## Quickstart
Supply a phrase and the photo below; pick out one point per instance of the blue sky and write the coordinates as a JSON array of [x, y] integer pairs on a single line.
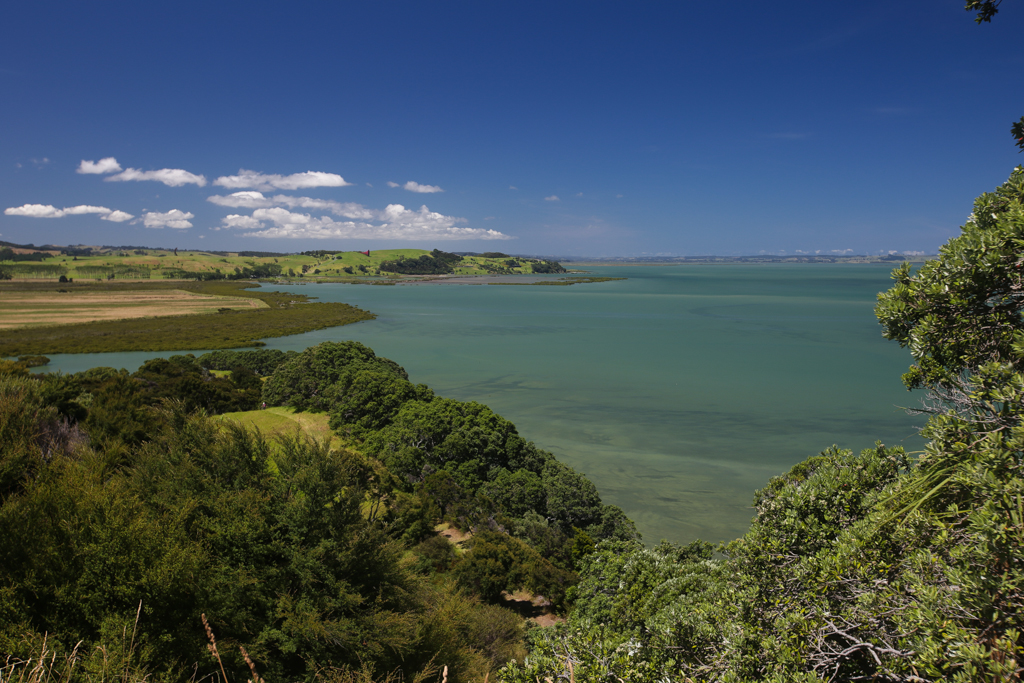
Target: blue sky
[[571, 128]]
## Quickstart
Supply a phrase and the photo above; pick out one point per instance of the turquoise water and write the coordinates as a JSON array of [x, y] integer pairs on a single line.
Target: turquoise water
[[678, 391]]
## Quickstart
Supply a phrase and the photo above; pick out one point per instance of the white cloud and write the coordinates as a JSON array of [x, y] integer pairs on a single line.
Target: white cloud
[[413, 186], [552, 198], [394, 222], [295, 181], [48, 211], [118, 216], [105, 165], [248, 199], [85, 208], [173, 177], [256, 200], [174, 218], [512, 187], [245, 222], [393, 184], [345, 209], [35, 211]]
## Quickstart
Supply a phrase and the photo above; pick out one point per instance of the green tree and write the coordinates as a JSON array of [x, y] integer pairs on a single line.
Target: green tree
[[960, 314], [304, 381], [365, 399]]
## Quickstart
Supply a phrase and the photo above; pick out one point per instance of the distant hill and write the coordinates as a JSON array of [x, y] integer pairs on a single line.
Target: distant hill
[[133, 262]]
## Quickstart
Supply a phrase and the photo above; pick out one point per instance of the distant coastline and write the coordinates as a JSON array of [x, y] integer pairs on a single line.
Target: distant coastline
[[894, 259]]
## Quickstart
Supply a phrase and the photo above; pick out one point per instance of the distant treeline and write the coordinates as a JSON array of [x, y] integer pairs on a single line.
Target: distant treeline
[[8, 254], [252, 254], [436, 262]]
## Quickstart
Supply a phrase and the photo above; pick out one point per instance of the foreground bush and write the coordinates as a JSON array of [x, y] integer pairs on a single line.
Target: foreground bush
[[271, 545]]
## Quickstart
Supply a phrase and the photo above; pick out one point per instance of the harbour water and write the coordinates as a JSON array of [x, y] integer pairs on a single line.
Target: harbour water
[[679, 391]]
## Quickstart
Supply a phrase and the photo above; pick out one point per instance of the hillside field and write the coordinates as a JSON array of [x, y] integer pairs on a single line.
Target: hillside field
[[285, 421], [162, 264]]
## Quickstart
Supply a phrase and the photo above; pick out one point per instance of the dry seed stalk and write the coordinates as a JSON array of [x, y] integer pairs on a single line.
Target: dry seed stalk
[[252, 667], [213, 646]]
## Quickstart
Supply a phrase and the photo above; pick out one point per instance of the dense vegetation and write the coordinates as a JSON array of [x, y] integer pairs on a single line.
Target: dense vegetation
[[548, 267], [128, 513], [436, 262]]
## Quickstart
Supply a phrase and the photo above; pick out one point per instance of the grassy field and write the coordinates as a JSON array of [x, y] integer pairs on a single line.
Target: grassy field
[[256, 314], [162, 264], [275, 422]]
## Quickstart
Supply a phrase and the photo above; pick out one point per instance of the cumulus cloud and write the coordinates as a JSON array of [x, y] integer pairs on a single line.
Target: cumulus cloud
[[256, 200], [174, 218], [173, 177], [295, 181], [118, 216], [85, 208], [248, 199], [35, 211], [413, 186], [105, 165], [245, 222], [394, 222], [552, 198], [48, 211], [393, 184]]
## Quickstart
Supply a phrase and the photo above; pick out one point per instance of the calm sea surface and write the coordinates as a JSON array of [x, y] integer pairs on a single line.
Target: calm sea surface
[[679, 391]]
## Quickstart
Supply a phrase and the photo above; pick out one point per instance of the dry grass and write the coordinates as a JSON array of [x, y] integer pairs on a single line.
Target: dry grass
[[43, 668], [30, 309], [105, 666]]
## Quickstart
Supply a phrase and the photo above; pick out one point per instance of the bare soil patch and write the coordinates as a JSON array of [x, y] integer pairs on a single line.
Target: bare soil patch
[[532, 606], [456, 536]]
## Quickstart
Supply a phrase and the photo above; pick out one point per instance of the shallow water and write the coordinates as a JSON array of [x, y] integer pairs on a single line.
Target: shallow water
[[678, 391]]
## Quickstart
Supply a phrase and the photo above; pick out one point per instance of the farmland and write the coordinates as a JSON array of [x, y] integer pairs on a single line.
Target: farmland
[[34, 308], [90, 299], [240, 316], [96, 263]]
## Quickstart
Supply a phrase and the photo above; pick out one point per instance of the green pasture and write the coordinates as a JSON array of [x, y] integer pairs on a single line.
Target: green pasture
[[163, 264]]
